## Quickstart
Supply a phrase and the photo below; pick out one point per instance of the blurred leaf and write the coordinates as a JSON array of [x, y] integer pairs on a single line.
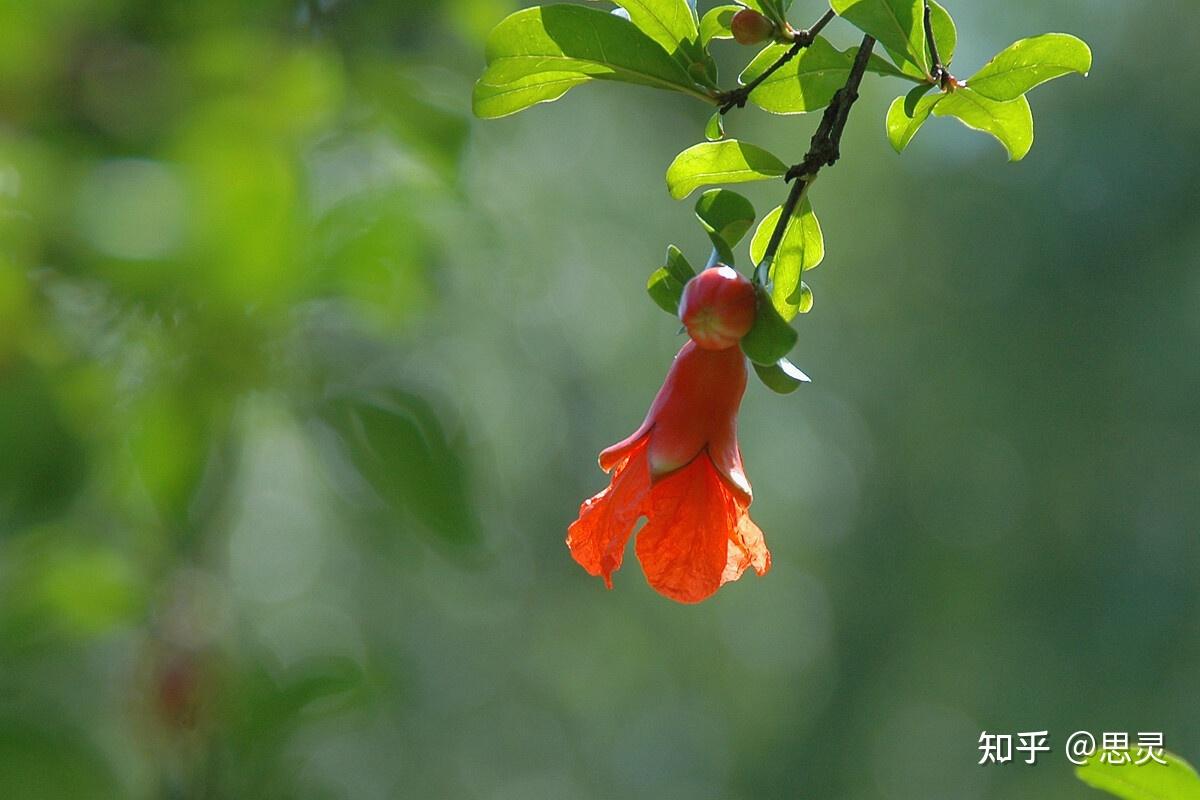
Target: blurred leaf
[[899, 25], [397, 443], [666, 283], [771, 338], [728, 161], [40, 762], [43, 463], [1010, 123], [725, 216], [783, 376], [426, 117], [802, 248], [1150, 781], [373, 252], [903, 126], [89, 591], [714, 129], [1031, 62], [317, 679], [806, 83], [539, 48], [715, 23]]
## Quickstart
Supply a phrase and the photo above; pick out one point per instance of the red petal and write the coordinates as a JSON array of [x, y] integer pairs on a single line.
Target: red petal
[[746, 548], [684, 546], [698, 404], [597, 539]]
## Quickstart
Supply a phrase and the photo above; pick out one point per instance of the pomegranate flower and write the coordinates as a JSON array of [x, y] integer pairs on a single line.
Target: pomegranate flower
[[682, 471]]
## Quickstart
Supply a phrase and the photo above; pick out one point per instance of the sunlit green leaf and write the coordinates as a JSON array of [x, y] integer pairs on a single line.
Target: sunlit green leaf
[[806, 298], [945, 33], [1030, 62], [902, 125], [802, 248], [666, 283], [728, 161], [771, 338], [668, 22], [783, 376], [774, 10], [726, 216], [1149, 781], [1011, 122], [806, 83], [715, 23], [491, 101], [899, 25], [535, 52]]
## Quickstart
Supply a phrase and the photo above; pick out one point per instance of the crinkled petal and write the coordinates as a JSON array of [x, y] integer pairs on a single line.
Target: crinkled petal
[[747, 548], [684, 546], [597, 539]]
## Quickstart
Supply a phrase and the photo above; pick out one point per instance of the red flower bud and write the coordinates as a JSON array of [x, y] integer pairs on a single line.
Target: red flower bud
[[750, 27], [718, 307]]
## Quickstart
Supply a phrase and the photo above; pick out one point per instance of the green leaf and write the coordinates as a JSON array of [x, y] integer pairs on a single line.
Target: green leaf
[[881, 66], [1150, 781], [491, 101], [668, 22], [783, 376], [726, 216], [903, 125], [728, 161], [805, 303], [899, 25], [944, 33], [715, 23], [1030, 62], [806, 83], [665, 286], [1011, 122], [771, 338], [802, 248], [774, 10], [714, 129], [532, 54]]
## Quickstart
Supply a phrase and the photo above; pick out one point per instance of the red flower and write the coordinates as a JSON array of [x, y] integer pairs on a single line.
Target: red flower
[[682, 470]]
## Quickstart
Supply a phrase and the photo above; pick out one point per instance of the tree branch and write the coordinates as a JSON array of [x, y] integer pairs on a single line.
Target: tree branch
[[736, 98], [936, 71], [824, 150]]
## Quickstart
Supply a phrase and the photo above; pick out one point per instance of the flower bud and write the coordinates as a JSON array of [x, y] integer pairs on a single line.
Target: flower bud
[[718, 307], [750, 27]]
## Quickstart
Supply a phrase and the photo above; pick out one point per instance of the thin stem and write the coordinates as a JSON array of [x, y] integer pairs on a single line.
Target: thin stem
[[794, 198], [824, 150], [736, 98], [936, 71]]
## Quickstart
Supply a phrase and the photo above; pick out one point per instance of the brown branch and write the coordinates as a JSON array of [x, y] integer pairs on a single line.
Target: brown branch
[[736, 98], [824, 150], [936, 70]]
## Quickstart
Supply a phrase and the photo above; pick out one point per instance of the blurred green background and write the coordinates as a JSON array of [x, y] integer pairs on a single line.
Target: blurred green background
[[303, 374]]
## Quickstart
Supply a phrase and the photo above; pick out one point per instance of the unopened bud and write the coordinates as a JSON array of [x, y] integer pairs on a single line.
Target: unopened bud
[[718, 307], [750, 27]]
